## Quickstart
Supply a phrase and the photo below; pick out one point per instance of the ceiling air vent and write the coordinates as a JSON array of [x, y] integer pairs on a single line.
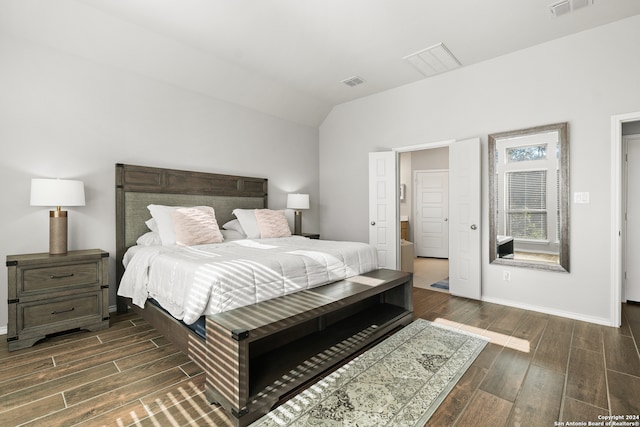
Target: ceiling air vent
[[578, 4], [560, 8], [433, 60], [565, 6], [353, 81]]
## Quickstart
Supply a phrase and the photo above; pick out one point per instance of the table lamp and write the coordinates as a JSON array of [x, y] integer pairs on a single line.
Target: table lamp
[[57, 192], [297, 202]]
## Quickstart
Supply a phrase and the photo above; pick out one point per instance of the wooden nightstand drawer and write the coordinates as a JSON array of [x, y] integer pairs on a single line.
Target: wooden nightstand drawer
[[69, 310], [55, 293], [52, 278]]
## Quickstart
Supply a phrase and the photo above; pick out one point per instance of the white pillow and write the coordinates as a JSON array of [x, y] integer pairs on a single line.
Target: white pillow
[[150, 238], [247, 218], [272, 223], [230, 235], [152, 224], [195, 226], [234, 225], [162, 215]]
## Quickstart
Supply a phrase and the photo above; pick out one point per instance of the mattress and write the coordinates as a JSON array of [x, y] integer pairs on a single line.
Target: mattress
[[193, 281]]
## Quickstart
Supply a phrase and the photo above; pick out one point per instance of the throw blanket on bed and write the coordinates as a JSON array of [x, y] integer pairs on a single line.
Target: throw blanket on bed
[[193, 281]]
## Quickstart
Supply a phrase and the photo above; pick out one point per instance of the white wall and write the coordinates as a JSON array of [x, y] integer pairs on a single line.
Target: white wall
[[62, 115], [592, 77]]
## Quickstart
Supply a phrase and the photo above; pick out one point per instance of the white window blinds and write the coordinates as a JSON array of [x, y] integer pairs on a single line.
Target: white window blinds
[[526, 204]]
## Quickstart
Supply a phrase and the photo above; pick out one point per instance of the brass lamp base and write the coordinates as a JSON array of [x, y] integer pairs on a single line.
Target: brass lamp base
[[57, 232], [297, 223]]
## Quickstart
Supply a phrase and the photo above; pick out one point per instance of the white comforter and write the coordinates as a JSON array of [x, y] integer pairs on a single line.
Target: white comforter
[[193, 281]]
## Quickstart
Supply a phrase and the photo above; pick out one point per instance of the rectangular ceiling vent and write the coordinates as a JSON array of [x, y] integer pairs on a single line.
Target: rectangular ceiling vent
[[560, 8], [433, 60], [579, 4], [353, 81], [566, 6]]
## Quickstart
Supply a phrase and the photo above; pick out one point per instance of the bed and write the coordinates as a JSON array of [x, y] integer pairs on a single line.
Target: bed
[[258, 351]]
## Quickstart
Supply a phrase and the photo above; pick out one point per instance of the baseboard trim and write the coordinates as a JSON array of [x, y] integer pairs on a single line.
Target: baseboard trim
[[568, 314], [546, 310]]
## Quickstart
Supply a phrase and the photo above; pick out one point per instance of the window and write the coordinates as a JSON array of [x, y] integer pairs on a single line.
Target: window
[[528, 153], [526, 202]]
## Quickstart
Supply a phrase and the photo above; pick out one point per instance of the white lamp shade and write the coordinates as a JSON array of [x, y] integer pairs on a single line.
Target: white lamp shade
[[298, 201], [56, 192]]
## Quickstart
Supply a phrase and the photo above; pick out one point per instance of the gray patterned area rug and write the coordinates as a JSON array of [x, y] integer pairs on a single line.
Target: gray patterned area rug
[[399, 382]]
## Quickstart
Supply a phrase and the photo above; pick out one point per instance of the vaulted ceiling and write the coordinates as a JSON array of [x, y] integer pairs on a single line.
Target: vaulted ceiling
[[310, 46]]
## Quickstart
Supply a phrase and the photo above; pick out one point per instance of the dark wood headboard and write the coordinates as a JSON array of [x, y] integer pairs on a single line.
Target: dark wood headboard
[[139, 186]]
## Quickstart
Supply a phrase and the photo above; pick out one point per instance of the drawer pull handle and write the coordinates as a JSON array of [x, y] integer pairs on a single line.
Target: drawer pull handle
[[63, 311], [61, 276]]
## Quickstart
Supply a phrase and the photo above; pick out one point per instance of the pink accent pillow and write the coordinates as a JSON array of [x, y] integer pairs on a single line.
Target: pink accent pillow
[[272, 223], [195, 226]]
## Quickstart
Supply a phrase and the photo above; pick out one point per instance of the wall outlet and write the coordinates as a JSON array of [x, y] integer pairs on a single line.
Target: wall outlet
[[506, 275]]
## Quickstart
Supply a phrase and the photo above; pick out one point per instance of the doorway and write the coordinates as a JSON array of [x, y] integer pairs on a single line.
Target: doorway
[[465, 261], [431, 273], [424, 174], [620, 124], [631, 212]]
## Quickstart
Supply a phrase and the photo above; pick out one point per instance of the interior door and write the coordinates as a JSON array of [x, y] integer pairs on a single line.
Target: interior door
[[432, 214], [632, 223], [464, 218], [383, 207]]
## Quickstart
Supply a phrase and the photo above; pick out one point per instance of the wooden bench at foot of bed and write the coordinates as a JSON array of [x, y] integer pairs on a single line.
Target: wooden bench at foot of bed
[[257, 354]]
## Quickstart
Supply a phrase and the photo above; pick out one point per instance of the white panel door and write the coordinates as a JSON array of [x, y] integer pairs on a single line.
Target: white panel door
[[464, 218], [632, 237], [431, 237], [383, 214]]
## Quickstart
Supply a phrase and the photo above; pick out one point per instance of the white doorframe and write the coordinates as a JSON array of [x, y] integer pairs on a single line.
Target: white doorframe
[[408, 149], [630, 141], [463, 281], [616, 213], [425, 146], [417, 147]]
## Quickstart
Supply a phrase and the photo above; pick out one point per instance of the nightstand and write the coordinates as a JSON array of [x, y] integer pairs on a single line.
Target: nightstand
[[311, 235], [56, 293]]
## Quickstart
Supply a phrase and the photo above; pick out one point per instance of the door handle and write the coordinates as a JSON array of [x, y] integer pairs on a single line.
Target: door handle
[[446, 219], [474, 227], [373, 223]]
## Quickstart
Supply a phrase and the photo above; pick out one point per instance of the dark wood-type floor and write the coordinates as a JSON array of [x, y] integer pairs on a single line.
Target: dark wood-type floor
[[538, 369]]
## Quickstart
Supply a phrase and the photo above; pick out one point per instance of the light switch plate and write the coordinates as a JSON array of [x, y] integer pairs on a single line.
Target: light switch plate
[[581, 197]]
